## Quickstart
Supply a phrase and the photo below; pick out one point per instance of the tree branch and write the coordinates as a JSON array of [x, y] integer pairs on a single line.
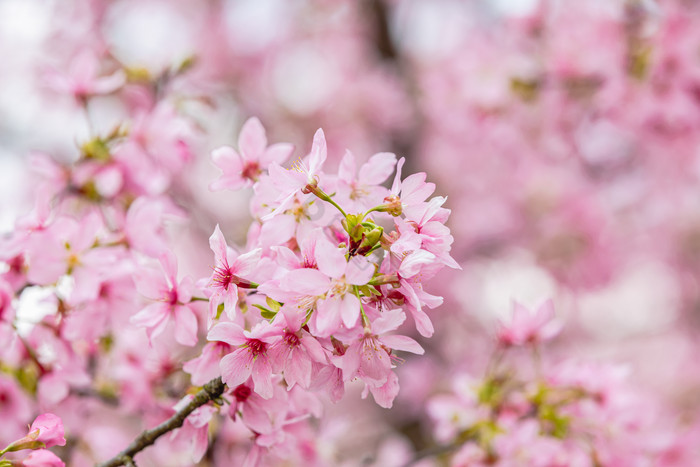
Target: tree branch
[[212, 390], [433, 452], [383, 42]]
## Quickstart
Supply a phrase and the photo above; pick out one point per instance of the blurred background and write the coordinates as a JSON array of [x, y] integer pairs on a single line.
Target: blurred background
[[566, 135]]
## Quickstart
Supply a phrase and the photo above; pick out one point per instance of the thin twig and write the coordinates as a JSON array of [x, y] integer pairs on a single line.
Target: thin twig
[[433, 452], [212, 390], [108, 399]]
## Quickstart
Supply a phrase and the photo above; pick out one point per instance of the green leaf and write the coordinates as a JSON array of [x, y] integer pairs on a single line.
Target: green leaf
[[219, 310], [265, 312], [273, 304]]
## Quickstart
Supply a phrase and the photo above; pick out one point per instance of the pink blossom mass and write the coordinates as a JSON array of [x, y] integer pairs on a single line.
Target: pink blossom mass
[[389, 233]]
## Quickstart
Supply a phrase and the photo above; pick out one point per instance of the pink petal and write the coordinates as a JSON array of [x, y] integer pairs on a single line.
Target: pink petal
[[412, 264], [396, 186], [169, 262], [277, 231], [283, 205], [230, 301], [252, 140], [42, 458], [423, 323], [200, 443], [328, 316], [347, 169], [293, 318], [285, 257], [185, 326], [256, 418], [151, 315], [375, 364], [385, 394], [227, 159], [110, 83], [298, 370], [217, 243], [330, 259], [388, 321], [231, 165], [150, 283], [83, 68], [359, 271], [230, 333], [185, 289], [403, 343], [244, 264], [350, 362], [319, 152], [377, 169], [286, 181], [349, 310], [305, 282], [236, 367], [262, 377], [414, 189], [50, 429], [277, 153], [313, 348]]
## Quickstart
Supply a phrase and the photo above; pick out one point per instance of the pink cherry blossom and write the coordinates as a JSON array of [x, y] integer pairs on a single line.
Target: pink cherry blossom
[[409, 192], [369, 355], [171, 302], [250, 356], [206, 367], [358, 189], [241, 169], [50, 430], [195, 429], [303, 177], [83, 79], [528, 327], [296, 351], [229, 274]]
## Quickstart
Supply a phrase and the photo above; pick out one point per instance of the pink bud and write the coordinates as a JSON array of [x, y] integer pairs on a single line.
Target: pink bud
[[50, 430]]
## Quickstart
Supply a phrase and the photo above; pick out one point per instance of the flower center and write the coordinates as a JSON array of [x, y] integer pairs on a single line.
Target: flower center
[[338, 287], [309, 263], [222, 277], [257, 347], [251, 170], [171, 298], [291, 339], [242, 393]]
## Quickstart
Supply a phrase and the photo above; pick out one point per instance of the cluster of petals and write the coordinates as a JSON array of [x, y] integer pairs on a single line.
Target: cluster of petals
[[580, 413], [529, 327], [316, 302]]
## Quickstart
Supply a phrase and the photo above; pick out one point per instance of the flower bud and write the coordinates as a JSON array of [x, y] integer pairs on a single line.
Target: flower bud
[[370, 239]]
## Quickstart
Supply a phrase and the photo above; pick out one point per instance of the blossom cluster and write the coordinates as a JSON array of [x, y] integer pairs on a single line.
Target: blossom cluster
[[575, 412], [318, 298], [566, 135], [312, 303]]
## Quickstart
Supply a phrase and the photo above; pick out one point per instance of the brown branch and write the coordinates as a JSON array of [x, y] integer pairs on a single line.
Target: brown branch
[[433, 452], [212, 390], [383, 41], [108, 399]]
